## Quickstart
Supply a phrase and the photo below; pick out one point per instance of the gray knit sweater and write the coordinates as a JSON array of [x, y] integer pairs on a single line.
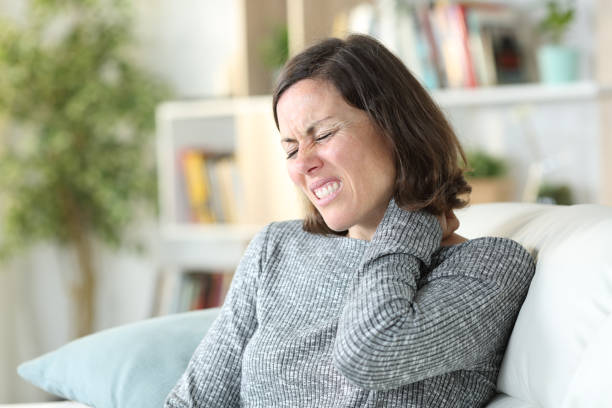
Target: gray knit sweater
[[316, 321]]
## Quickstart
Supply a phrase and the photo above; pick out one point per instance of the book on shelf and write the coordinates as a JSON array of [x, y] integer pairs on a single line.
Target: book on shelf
[[459, 44], [203, 289], [197, 186], [212, 186]]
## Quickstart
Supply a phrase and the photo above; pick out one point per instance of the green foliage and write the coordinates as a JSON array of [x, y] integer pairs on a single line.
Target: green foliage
[[274, 49], [76, 143], [484, 165], [557, 20], [555, 194]]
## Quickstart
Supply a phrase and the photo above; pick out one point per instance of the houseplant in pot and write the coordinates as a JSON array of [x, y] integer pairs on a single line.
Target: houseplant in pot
[[560, 194], [76, 161], [488, 177], [274, 49], [558, 63]]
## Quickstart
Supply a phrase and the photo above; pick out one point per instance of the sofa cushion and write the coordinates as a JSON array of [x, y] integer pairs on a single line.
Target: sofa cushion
[[134, 365], [550, 360], [506, 401], [591, 385]]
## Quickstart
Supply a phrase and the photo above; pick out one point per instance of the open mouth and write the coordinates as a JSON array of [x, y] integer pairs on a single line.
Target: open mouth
[[327, 192], [327, 189]]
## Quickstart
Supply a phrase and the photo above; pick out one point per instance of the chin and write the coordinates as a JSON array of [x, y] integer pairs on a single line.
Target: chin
[[337, 229], [336, 224]]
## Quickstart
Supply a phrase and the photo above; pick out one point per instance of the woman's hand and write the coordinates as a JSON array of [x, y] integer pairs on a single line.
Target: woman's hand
[[450, 224]]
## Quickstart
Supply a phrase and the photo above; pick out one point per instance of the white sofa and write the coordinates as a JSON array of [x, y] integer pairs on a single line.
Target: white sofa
[[560, 351]]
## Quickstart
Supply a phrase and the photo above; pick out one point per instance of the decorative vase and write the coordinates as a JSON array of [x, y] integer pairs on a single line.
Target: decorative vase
[[557, 64]]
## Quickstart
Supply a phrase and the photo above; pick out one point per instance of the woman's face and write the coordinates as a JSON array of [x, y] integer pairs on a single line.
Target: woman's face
[[338, 158]]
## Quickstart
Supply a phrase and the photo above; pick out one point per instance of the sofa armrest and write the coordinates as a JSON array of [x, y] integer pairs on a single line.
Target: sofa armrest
[[506, 401]]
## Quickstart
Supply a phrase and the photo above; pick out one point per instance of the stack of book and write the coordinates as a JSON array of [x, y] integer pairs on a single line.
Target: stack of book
[[202, 290], [453, 44], [465, 44], [211, 186]]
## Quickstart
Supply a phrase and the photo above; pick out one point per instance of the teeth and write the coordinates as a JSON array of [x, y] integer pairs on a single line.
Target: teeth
[[327, 189]]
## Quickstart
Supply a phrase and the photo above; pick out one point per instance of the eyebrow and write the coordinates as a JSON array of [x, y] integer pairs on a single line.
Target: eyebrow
[[309, 130]]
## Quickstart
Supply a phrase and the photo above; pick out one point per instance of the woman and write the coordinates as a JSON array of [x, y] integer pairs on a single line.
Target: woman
[[372, 300]]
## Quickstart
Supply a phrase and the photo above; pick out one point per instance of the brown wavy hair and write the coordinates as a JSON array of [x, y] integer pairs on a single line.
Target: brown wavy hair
[[426, 150]]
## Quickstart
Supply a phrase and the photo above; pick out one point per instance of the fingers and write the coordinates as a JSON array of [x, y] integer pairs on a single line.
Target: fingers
[[449, 223], [452, 222], [454, 239], [442, 221]]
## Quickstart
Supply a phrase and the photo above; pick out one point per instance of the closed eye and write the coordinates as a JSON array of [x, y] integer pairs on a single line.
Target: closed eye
[[325, 136], [292, 153]]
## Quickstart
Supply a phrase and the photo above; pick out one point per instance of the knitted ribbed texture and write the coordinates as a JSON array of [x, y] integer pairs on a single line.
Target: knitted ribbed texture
[[314, 321]]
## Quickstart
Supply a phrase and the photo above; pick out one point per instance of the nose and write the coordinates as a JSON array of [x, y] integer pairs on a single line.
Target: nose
[[307, 161]]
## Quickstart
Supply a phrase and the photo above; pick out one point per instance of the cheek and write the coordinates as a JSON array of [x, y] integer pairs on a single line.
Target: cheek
[[351, 158], [294, 175], [381, 159], [340, 156]]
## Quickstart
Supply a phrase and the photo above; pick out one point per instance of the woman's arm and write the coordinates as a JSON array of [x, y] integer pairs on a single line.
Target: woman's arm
[[212, 378], [390, 334]]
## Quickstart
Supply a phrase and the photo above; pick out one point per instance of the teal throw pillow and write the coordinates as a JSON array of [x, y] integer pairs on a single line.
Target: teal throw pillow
[[135, 365]]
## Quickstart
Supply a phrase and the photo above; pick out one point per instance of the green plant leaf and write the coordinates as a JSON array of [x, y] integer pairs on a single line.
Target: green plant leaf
[[485, 165], [557, 20], [77, 142]]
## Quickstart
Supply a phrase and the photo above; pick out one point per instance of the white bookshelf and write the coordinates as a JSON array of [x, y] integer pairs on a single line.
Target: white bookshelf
[[531, 93], [241, 127], [210, 125], [189, 248], [216, 246]]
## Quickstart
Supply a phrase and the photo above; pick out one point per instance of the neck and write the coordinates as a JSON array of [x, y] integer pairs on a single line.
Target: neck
[[362, 233], [366, 228]]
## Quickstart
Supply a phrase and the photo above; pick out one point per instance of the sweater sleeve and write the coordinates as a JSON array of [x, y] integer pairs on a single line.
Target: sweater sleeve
[[390, 334], [212, 377]]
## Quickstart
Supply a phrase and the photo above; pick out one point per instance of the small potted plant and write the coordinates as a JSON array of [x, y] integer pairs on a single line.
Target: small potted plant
[[560, 194], [558, 63], [488, 177], [274, 49]]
